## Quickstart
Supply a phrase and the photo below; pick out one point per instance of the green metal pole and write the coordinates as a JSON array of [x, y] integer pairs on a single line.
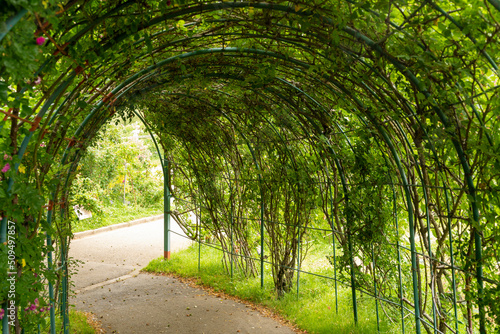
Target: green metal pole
[[232, 223], [51, 287], [199, 238], [3, 238], [51, 292], [353, 278], [401, 291], [375, 287], [10, 23], [64, 268], [64, 306], [5, 320], [298, 262], [166, 205], [335, 273], [453, 282], [261, 235], [431, 258], [411, 227], [333, 240], [479, 275]]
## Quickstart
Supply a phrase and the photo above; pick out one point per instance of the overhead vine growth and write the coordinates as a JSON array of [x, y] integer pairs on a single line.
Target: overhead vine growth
[[376, 121]]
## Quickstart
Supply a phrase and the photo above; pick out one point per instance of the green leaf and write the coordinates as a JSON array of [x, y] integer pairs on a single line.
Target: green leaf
[[4, 91], [82, 104]]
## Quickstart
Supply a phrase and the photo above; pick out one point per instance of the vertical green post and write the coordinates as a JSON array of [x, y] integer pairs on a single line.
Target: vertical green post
[[51, 287], [298, 262], [411, 225], [166, 205], [64, 306], [450, 238], [10, 23], [199, 239], [414, 265], [3, 231], [401, 291], [3, 238], [479, 275], [375, 287], [333, 242], [353, 278], [64, 281], [51, 292], [5, 320], [231, 227], [351, 255], [335, 272], [261, 237]]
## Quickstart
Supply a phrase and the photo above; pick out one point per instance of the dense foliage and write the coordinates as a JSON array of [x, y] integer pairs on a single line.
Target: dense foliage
[[377, 121], [118, 168]]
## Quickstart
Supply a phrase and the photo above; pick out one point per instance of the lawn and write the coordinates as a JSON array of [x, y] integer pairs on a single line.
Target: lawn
[[312, 310]]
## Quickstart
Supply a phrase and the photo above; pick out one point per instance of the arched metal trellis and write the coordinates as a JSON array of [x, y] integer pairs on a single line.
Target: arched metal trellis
[[380, 117]]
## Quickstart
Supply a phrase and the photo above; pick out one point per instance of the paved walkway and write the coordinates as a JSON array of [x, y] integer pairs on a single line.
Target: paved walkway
[[109, 284]]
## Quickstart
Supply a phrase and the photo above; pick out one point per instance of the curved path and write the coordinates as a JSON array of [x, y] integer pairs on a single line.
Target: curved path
[[109, 284]]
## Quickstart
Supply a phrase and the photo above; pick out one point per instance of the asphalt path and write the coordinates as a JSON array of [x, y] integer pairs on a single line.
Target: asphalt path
[[109, 284]]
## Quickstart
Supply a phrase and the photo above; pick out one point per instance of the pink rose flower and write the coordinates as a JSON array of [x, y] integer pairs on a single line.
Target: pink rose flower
[[2, 313], [5, 168], [38, 81], [40, 40]]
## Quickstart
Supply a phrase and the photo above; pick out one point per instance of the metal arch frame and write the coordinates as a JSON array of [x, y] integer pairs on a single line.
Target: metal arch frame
[[341, 171], [345, 187], [294, 163], [467, 171], [225, 115], [225, 50]]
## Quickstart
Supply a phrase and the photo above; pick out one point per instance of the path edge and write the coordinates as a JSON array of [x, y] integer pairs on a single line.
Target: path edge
[[83, 234]]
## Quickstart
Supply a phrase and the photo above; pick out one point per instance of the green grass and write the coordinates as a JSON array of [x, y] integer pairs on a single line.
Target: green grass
[[115, 215], [79, 324], [314, 311]]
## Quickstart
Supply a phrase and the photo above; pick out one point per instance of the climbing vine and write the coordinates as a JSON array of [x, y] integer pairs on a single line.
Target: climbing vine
[[376, 121]]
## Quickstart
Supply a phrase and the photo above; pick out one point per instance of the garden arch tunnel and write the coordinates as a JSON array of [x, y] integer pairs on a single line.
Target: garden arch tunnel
[[278, 120]]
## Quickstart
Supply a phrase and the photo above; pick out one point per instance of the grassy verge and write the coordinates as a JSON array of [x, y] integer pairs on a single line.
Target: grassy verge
[[115, 215], [314, 310], [81, 324]]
